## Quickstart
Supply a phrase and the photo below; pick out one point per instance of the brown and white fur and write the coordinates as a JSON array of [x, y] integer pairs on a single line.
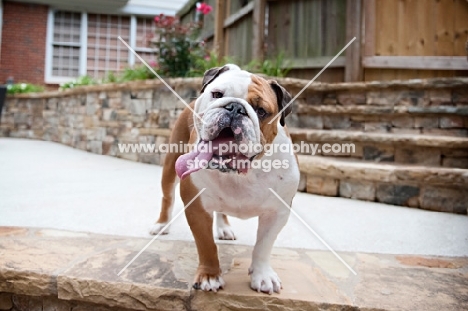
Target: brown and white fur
[[232, 193]]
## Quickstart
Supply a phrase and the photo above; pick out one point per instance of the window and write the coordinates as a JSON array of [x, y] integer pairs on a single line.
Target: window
[[64, 50], [66, 44], [145, 30], [105, 51], [88, 44]]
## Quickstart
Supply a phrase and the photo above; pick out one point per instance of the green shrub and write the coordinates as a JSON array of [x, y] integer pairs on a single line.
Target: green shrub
[[136, 73], [202, 64], [276, 67], [21, 88], [177, 45], [110, 78], [80, 81]]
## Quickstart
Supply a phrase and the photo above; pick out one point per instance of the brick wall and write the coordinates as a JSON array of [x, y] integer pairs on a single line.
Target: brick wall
[[23, 42]]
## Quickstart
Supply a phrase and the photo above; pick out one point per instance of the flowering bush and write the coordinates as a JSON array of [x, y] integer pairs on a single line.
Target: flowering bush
[[178, 49], [204, 8]]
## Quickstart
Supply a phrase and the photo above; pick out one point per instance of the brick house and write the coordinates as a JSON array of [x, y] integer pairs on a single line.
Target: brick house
[[53, 41]]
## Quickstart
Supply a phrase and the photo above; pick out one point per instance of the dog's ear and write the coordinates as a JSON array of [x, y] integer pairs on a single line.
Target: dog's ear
[[212, 74], [283, 98]]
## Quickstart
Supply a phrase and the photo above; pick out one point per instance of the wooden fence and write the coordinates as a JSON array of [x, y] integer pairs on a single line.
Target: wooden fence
[[426, 36], [397, 39]]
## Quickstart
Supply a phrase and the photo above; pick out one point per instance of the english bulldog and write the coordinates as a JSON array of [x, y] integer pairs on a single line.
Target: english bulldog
[[233, 111]]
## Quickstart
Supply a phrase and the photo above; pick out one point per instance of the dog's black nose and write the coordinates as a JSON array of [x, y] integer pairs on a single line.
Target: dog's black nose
[[236, 108]]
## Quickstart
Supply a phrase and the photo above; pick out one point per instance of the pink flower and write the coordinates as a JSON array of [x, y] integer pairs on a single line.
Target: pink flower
[[153, 63], [204, 8]]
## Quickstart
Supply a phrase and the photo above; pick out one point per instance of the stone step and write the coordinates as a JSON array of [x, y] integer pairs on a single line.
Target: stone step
[[45, 269], [371, 171], [432, 188], [404, 123], [435, 107], [428, 150], [381, 110], [300, 134]]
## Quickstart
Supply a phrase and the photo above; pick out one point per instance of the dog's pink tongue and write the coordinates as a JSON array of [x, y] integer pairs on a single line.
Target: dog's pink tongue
[[190, 162]]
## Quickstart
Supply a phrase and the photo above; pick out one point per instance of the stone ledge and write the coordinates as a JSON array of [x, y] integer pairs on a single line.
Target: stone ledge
[[126, 86], [450, 142], [430, 188], [382, 172], [436, 83], [380, 110], [81, 268]]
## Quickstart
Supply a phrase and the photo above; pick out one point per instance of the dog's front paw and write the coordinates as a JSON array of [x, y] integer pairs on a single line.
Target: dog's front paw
[[225, 233], [208, 282], [264, 279], [158, 228]]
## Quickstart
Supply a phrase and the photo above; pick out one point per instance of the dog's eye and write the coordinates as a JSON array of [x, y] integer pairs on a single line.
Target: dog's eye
[[217, 94], [261, 112]]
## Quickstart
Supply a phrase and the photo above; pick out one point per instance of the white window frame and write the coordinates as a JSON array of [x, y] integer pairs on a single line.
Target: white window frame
[[132, 43], [51, 79]]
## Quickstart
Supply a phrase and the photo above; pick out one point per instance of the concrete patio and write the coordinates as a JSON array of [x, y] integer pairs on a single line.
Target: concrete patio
[[63, 210], [48, 185]]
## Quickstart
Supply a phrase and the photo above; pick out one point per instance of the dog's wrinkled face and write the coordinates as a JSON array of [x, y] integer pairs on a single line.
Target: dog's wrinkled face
[[236, 108]]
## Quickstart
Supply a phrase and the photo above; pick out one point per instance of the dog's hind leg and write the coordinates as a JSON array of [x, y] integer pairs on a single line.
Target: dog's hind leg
[[223, 228], [180, 136], [168, 185]]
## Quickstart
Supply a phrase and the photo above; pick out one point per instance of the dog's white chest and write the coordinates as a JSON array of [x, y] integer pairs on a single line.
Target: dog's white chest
[[234, 195], [249, 195]]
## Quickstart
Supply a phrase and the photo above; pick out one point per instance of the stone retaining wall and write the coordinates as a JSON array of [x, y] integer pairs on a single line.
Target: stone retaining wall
[[97, 118]]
